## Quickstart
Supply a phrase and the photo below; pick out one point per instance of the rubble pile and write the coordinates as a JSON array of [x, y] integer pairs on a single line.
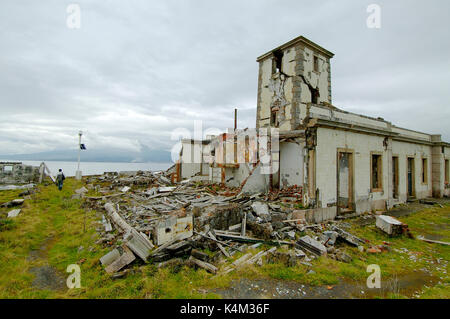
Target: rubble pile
[[146, 216]]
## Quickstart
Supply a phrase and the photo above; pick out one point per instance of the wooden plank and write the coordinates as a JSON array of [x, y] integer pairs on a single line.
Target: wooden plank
[[202, 264], [432, 241], [244, 225], [219, 245]]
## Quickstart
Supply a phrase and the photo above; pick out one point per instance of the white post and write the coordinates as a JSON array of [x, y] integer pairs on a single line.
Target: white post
[[78, 173]]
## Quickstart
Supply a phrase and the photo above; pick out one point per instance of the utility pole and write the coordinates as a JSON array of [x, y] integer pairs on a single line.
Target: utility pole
[[78, 173]]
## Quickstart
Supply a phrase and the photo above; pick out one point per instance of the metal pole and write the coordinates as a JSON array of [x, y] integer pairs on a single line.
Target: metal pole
[[78, 174], [79, 150]]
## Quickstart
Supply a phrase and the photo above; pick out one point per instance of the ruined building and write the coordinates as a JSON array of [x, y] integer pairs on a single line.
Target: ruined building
[[344, 163]]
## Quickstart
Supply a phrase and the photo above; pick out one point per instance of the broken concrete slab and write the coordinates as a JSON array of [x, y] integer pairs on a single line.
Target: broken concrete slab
[[390, 225], [173, 228], [139, 244], [347, 237], [14, 213], [312, 245], [117, 259], [261, 210], [330, 237]]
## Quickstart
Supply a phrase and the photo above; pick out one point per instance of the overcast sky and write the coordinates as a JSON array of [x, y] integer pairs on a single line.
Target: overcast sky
[[136, 70]]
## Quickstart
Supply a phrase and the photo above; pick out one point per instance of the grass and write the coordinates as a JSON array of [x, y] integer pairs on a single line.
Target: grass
[[54, 226]]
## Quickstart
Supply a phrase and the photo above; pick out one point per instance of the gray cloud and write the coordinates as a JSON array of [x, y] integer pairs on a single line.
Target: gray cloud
[[137, 70]]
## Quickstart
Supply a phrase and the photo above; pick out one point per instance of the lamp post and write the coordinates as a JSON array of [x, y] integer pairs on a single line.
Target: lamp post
[[78, 174]]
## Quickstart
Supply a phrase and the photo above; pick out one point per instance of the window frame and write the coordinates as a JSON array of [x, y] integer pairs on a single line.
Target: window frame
[[316, 63], [380, 185], [447, 171], [425, 169]]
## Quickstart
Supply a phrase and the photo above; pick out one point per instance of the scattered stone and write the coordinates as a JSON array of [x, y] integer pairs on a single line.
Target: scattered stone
[[14, 213]]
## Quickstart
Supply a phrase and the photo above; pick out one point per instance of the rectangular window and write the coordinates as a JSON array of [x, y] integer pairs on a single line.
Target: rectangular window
[[377, 174], [316, 63], [424, 171], [277, 62], [447, 172]]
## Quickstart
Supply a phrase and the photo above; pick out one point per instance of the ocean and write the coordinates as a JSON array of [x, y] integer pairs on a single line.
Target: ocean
[[96, 168]]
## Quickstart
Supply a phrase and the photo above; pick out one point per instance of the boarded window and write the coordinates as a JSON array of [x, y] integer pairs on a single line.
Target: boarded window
[[424, 171], [447, 172], [8, 169], [377, 174]]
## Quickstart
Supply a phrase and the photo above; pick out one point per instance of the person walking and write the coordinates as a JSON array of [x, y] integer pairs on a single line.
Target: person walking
[[60, 179]]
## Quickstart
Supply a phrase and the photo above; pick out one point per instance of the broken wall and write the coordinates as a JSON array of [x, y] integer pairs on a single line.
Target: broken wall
[[192, 159], [287, 91], [18, 173]]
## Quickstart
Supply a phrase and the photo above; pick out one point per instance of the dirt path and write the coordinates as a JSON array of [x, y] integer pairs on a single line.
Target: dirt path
[[46, 276]]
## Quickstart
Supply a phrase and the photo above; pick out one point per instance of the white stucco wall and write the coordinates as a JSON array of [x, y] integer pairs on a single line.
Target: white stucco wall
[[328, 143], [446, 157], [291, 164]]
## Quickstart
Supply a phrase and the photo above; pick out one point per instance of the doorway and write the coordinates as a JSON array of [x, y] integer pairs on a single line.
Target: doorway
[[411, 178], [395, 177], [345, 183]]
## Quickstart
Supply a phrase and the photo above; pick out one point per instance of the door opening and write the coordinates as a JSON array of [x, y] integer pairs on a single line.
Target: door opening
[[345, 183], [395, 177], [411, 178]]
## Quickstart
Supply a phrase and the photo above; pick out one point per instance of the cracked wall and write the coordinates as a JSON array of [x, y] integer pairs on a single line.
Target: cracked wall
[[283, 95]]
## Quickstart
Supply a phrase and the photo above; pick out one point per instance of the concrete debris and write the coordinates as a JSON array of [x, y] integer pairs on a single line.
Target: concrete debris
[[312, 245], [125, 189], [261, 210], [13, 203], [330, 237], [173, 228], [173, 224], [106, 224], [289, 259], [117, 259], [390, 225], [347, 237], [139, 244], [81, 191], [14, 213]]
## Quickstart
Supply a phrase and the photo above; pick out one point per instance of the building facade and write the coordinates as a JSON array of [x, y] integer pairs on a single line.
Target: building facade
[[346, 163]]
